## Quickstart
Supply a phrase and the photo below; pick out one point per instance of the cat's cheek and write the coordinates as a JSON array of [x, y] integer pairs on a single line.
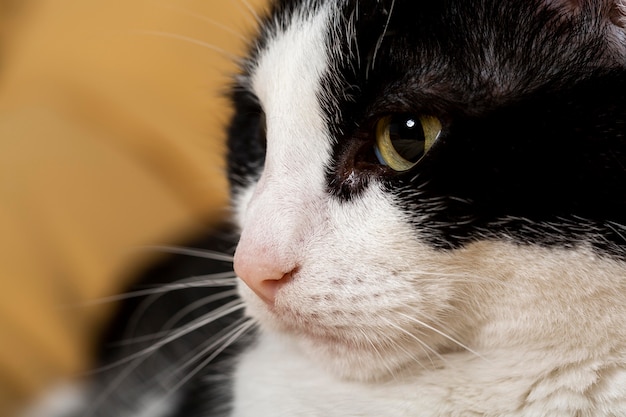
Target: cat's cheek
[[366, 288]]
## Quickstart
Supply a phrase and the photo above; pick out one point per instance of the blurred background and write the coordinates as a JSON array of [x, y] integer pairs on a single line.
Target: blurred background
[[111, 138]]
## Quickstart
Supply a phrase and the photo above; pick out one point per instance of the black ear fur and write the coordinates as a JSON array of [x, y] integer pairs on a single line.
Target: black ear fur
[[618, 13], [564, 6], [610, 14], [613, 10]]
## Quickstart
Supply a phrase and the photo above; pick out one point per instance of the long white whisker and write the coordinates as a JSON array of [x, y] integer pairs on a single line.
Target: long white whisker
[[145, 304], [423, 344], [139, 357], [159, 33], [197, 304], [192, 356], [377, 351], [382, 36], [213, 22], [615, 226], [194, 252], [225, 310], [226, 341], [167, 328], [203, 282], [460, 276], [450, 338], [438, 320], [252, 12]]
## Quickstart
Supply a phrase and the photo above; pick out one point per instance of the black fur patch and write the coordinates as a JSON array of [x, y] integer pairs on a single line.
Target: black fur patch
[[246, 140], [532, 104]]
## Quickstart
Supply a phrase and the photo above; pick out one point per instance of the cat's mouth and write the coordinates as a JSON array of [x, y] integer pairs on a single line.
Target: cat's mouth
[[353, 343], [315, 326]]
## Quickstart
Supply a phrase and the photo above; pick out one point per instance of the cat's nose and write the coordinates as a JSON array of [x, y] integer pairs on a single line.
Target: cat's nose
[[262, 270]]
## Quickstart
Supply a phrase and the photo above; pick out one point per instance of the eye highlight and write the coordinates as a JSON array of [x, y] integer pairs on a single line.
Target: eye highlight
[[402, 140]]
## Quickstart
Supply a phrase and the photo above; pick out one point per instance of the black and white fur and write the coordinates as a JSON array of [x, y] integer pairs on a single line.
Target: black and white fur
[[489, 280]]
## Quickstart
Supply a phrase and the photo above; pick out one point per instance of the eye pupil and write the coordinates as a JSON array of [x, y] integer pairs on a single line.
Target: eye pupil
[[407, 137], [403, 139]]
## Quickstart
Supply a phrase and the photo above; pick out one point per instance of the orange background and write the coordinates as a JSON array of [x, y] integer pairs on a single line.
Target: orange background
[[111, 138]]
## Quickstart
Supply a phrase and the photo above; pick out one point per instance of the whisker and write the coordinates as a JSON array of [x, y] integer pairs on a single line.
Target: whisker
[[213, 22], [439, 332], [252, 12], [619, 229], [139, 357], [145, 304], [425, 347], [423, 276], [197, 304], [226, 340], [202, 283], [416, 358], [194, 252], [167, 327], [174, 369], [435, 319], [382, 36], [380, 355], [214, 48], [223, 311]]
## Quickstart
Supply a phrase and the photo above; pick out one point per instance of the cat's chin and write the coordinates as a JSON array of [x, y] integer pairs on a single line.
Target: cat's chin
[[358, 362], [363, 356], [352, 345]]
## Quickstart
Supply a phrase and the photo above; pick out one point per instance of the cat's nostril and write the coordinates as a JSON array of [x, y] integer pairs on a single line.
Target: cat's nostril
[[268, 288], [262, 273]]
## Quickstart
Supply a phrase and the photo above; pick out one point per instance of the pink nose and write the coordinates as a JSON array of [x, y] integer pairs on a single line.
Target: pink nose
[[262, 271]]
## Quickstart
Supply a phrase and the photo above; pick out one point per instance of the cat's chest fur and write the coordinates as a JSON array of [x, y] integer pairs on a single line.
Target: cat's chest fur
[[515, 383]]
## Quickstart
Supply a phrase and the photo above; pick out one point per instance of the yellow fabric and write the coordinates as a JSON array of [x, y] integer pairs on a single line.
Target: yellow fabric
[[111, 136]]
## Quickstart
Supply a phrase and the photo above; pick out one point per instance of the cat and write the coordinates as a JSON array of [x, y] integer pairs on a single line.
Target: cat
[[429, 219]]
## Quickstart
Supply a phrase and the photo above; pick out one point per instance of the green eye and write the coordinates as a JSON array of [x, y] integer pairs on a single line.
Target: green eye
[[403, 139]]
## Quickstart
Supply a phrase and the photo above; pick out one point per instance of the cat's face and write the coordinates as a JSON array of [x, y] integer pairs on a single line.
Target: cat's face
[[414, 178]]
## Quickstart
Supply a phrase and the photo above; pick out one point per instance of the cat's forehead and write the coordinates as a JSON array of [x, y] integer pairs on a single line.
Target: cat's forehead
[[463, 52], [287, 78], [292, 60]]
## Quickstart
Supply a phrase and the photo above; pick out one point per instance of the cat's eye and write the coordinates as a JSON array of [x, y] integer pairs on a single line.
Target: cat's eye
[[403, 139]]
